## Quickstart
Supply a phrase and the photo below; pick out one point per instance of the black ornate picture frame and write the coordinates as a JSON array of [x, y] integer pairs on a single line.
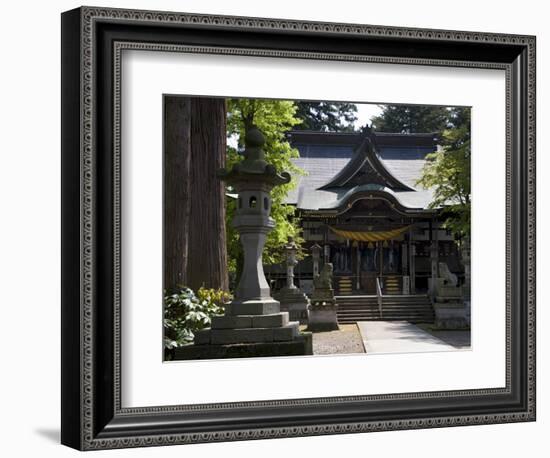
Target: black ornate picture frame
[[92, 41]]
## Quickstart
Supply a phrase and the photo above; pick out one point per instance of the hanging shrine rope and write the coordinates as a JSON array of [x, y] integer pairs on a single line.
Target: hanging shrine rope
[[370, 236]]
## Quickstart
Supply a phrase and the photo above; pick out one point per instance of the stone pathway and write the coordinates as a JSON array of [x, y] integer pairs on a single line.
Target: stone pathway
[[398, 337], [345, 341], [457, 338]]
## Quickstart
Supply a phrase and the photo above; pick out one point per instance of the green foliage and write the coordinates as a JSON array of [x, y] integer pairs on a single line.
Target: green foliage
[[216, 297], [326, 116], [274, 118], [186, 312], [408, 119], [447, 171]]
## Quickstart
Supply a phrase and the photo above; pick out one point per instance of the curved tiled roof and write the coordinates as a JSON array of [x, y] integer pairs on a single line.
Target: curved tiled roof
[[324, 156]]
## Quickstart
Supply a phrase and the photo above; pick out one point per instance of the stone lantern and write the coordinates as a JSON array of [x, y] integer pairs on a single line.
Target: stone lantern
[[253, 324], [291, 249], [292, 299]]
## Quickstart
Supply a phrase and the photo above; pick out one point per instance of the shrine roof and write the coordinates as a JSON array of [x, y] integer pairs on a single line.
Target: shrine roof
[[340, 165]]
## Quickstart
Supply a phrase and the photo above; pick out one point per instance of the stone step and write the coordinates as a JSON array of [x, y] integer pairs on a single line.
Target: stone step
[[403, 316], [384, 313], [384, 304], [411, 319], [395, 307], [385, 301], [387, 314], [404, 297], [389, 309], [250, 321], [247, 335], [412, 308]]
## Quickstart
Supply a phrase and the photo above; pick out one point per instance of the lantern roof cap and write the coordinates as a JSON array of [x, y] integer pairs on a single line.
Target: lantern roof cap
[[254, 167]]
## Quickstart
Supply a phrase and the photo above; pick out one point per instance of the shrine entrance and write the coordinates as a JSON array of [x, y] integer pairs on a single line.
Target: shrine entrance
[[380, 260], [368, 256]]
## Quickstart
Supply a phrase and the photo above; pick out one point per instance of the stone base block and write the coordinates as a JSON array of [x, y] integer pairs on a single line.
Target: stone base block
[[232, 321], [295, 302], [250, 321], [321, 319], [288, 332], [275, 320], [202, 337], [254, 307], [230, 336], [211, 336], [299, 346], [296, 312], [451, 315]]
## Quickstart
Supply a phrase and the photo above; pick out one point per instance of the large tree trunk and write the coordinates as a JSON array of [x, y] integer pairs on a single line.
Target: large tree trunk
[[194, 197], [207, 257], [177, 155]]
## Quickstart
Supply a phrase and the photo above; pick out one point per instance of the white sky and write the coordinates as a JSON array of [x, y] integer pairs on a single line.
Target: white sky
[[365, 112]]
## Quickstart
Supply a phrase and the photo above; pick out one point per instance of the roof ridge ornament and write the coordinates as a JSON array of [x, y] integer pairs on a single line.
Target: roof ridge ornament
[[366, 165]]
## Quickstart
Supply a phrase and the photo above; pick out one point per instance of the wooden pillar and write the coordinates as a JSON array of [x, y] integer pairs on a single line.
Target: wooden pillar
[[404, 258], [406, 289], [412, 264], [358, 255], [380, 258]]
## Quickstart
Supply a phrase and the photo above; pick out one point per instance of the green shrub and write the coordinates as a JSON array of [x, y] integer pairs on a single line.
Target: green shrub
[[217, 297], [186, 312]]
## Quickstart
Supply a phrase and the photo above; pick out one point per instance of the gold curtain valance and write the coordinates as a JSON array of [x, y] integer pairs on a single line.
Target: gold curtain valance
[[370, 236]]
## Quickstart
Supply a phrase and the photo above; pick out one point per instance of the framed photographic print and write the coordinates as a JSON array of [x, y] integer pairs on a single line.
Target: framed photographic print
[[278, 228]]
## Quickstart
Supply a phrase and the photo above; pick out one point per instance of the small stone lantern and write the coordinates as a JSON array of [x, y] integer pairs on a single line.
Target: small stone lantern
[[290, 249], [292, 299]]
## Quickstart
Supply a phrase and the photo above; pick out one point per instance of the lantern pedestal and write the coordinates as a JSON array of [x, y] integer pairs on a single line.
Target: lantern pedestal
[[294, 302], [301, 345]]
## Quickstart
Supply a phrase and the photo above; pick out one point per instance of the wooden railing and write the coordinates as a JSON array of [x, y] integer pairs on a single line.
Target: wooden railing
[[379, 296]]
